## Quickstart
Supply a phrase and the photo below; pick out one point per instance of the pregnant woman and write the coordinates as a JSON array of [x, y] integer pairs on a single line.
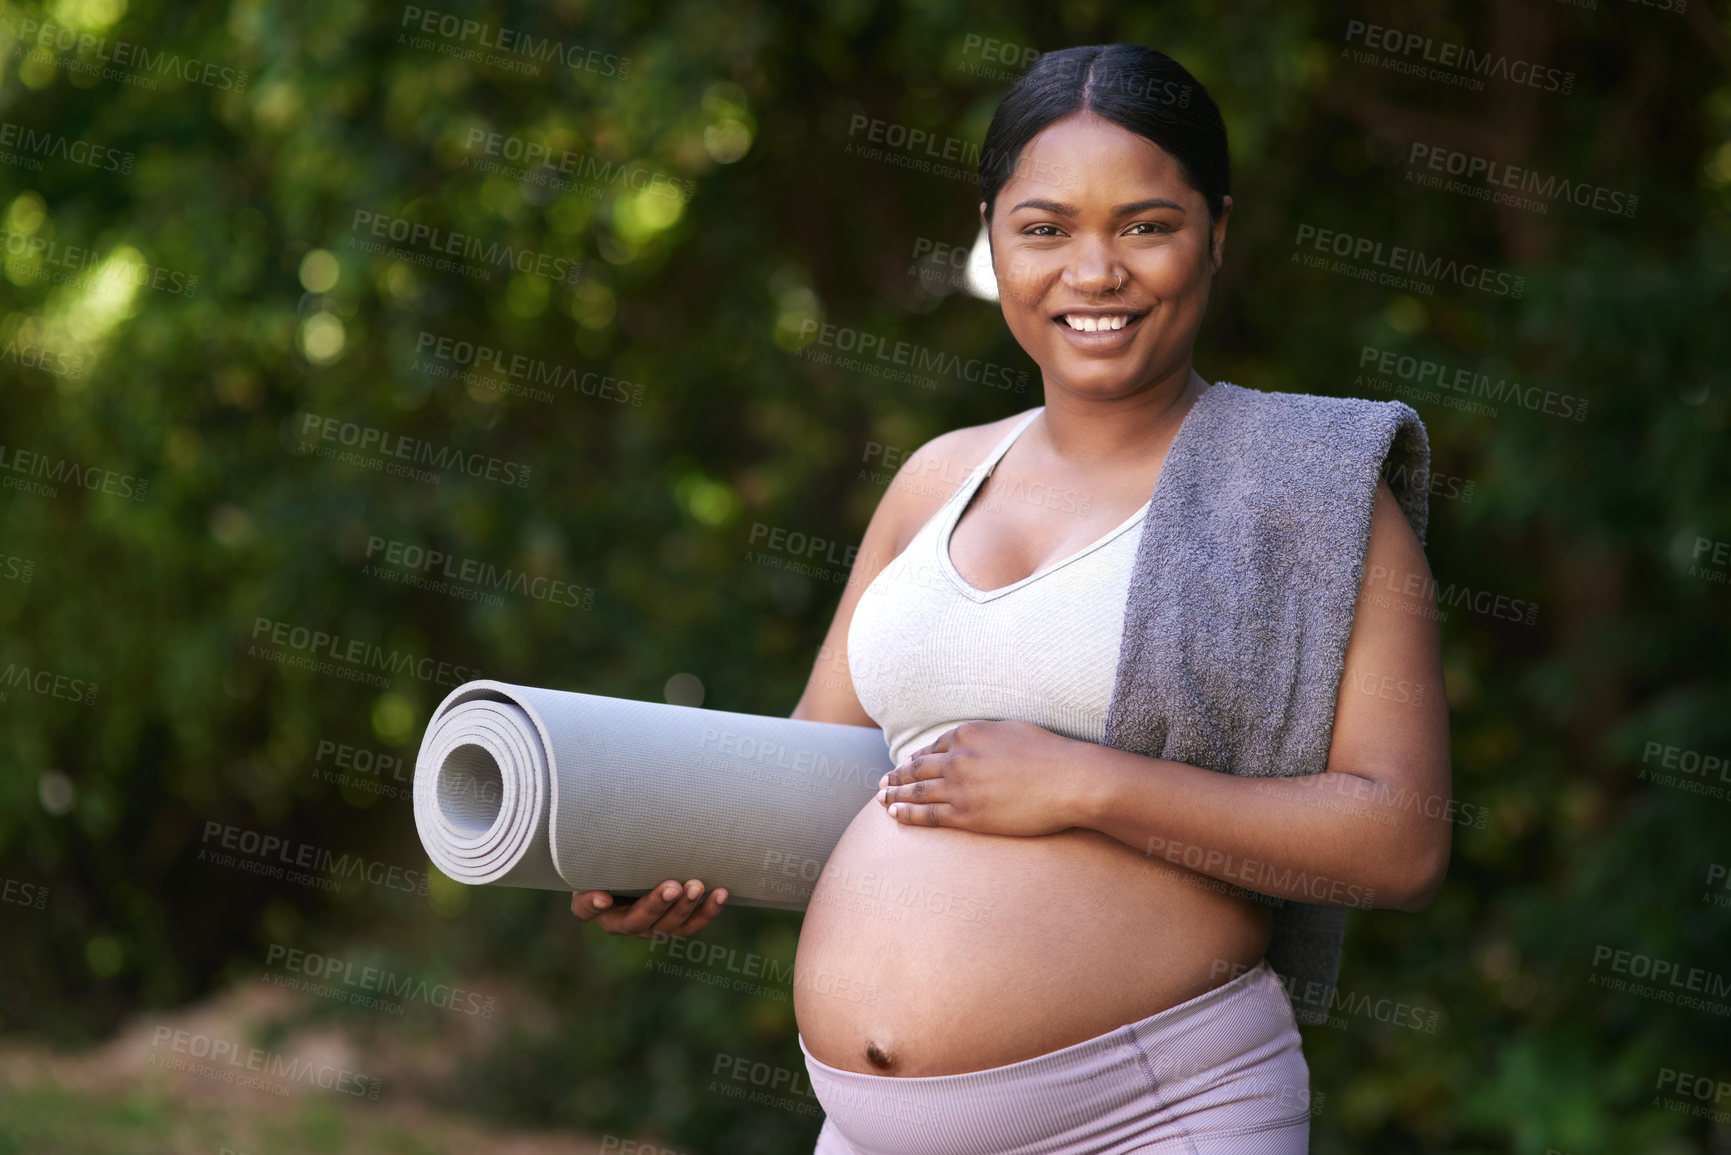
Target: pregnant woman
[[1141, 743]]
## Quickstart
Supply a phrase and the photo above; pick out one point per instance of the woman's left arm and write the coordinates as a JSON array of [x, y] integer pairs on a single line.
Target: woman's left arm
[[1373, 830]]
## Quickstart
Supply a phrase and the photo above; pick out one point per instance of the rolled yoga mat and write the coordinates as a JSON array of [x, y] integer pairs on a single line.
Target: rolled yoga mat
[[523, 786]]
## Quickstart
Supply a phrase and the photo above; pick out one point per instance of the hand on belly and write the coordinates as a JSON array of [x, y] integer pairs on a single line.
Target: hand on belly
[[929, 950]]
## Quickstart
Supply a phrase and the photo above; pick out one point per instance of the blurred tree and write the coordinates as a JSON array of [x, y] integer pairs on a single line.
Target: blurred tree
[[239, 236]]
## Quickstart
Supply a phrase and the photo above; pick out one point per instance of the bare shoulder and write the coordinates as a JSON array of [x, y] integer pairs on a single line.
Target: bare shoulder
[[933, 473], [959, 450]]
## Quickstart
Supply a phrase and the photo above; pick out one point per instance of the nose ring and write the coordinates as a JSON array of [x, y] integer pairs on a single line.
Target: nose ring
[[1120, 283]]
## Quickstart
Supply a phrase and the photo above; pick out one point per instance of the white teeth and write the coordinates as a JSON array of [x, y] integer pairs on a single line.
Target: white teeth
[[1093, 323]]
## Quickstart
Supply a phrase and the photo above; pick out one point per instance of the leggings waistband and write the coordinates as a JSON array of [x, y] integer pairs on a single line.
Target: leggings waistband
[[1227, 1062]]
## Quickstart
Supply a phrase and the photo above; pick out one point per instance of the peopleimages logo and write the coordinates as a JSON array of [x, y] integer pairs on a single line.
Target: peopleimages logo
[[47, 683], [1426, 164], [27, 894], [1702, 1087], [1422, 588], [584, 169], [423, 564], [523, 372], [272, 853], [328, 969], [314, 428], [1397, 259], [980, 54], [914, 141], [1254, 872], [32, 356], [93, 52], [83, 267], [1425, 374], [1453, 60], [1691, 763], [358, 655], [917, 358], [32, 464], [41, 143], [445, 243], [267, 1063], [361, 769], [1444, 485], [1665, 980], [515, 50], [733, 751], [923, 150], [1712, 568]]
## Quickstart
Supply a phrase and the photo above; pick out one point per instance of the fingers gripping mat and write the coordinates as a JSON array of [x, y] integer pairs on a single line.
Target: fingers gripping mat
[[523, 786]]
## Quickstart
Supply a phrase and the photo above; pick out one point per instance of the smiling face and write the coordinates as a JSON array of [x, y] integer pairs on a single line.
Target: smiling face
[[1104, 255]]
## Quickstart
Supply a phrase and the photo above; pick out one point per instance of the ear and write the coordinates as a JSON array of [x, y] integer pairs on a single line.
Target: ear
[[1217, 242], [984, 223]]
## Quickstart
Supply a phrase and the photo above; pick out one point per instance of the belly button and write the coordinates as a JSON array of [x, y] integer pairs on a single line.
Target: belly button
[[878, 1057]]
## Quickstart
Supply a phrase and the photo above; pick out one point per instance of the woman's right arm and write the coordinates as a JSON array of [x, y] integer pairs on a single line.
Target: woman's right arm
[[925, 481]]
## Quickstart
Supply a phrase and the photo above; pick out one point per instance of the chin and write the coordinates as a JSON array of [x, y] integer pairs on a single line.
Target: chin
[[1100, 379]]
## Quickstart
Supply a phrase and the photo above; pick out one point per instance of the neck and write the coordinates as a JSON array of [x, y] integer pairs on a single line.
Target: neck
[[1131, 427]]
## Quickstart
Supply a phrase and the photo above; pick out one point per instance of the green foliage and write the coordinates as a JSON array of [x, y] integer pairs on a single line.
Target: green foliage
[[646, 492]]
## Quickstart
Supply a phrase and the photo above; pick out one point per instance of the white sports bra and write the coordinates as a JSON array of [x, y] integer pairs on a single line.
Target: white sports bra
[[928, 651]]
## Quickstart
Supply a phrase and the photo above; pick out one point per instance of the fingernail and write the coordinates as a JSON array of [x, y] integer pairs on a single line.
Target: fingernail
[[721, 898], [893, 807], [884, 781], [602, 902], [883, 794]]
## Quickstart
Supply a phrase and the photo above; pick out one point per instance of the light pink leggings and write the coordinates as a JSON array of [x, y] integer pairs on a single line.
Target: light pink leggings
[[1221, 1073]]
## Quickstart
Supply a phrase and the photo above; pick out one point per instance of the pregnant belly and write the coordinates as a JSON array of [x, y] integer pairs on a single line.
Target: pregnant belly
[[934, 951]]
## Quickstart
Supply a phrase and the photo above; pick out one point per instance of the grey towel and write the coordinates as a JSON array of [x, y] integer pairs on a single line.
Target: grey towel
[[1242, 600]]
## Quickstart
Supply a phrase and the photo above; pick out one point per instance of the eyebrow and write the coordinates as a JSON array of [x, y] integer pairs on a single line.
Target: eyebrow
[[1121, 210]]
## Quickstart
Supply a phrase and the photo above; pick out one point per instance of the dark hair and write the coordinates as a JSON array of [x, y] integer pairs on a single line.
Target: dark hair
[[1134, 87]]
